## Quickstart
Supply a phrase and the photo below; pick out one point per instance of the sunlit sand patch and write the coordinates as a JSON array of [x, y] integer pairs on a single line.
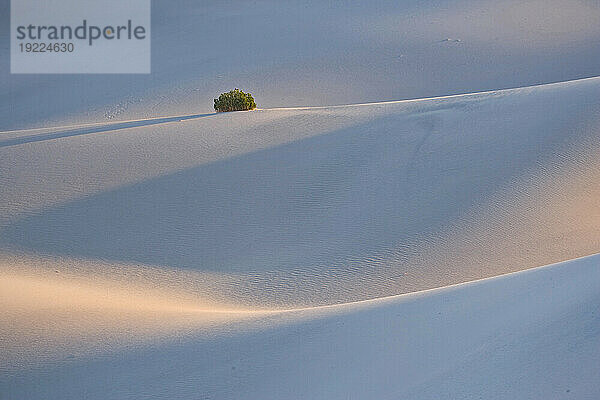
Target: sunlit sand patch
[[49, 316]]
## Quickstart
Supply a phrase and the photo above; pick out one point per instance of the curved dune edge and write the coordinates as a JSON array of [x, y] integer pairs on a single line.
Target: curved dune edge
[[48, 319], [185, 117], [48, 316], [438, 290], [113, 296]]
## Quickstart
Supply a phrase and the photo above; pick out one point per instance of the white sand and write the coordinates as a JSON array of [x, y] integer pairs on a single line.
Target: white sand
[[532, 334], [107, 272], [304, 207], [151, 249]]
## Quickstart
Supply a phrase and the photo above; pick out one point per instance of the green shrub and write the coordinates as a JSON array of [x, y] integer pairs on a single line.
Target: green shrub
[[235, 100]]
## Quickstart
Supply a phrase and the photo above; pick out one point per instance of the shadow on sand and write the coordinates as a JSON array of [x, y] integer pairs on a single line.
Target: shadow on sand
[[95, 129], [325, 202]]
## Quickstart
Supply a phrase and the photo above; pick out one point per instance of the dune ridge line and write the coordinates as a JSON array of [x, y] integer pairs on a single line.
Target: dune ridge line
[[173, 118]]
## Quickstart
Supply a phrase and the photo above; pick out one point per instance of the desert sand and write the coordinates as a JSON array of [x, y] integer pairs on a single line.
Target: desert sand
[[338, 242]]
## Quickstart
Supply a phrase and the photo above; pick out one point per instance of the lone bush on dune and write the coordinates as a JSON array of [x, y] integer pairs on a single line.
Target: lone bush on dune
[[234, 100]]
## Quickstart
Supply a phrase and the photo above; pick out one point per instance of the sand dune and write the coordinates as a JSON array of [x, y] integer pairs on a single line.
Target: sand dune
[[335, 243], [211, 253], [304, 207], [530, 334], [49, 317], [129, 236]]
